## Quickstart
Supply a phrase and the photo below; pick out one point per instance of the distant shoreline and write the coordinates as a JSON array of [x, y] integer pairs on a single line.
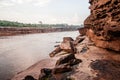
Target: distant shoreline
[[11, 31]]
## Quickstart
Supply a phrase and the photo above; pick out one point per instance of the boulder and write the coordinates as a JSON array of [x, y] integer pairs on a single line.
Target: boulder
[[103, 24], [68, 60], [74, 62], [82, 31], [46, 74], [65, 59], [78, 40], [67, 39], [53, 53], [68, 47], [65, 64], [62, 69]]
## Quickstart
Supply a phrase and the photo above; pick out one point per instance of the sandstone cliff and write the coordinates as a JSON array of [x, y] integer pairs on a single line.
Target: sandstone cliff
[[104, 23]]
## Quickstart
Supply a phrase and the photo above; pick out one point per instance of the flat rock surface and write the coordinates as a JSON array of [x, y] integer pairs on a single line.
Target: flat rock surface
[[34, 70]]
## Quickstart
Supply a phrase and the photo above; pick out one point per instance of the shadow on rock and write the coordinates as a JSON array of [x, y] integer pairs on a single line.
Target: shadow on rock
[[28, 77], [46, 74], [107, 69]]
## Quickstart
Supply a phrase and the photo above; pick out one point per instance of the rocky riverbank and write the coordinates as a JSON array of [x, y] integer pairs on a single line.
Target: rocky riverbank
[[88, 62], [93, 55], [10, 31]]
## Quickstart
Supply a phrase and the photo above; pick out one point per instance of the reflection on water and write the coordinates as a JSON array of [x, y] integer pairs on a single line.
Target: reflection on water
[[19, 52]]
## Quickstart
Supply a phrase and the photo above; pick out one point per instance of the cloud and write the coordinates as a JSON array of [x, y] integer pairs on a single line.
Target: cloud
[[40, 3], [5, 3], [72, 19], [17, 1]]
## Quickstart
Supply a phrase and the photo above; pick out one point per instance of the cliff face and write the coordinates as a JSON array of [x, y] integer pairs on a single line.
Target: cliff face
[[104, 23]]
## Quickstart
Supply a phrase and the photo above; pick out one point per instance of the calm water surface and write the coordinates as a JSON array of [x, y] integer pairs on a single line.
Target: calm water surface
[[19, 52]]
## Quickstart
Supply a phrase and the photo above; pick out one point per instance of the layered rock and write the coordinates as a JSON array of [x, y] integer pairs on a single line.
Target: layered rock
[[104, 23]]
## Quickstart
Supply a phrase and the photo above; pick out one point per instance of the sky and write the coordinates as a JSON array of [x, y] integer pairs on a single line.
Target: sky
[[47, 11]]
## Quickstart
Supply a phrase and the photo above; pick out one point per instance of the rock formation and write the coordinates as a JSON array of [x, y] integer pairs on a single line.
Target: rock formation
[[82, 31], [104, 23], [95, 54], [67, 45], [46, 74]]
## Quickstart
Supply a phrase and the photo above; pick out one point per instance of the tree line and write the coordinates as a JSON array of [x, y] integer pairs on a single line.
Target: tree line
[[4, 23]]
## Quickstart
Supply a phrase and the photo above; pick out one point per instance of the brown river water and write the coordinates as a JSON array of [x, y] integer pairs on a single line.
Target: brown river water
[[19, 52]]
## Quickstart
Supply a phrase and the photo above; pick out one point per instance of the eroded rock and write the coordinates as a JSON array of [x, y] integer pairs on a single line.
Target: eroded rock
[[62, 69], [46, 74], [65, 59], [82, 31], [67, 39], [66, 63], [68, 47], [78, 40], [74, 62], [53, 53], [104, 23]]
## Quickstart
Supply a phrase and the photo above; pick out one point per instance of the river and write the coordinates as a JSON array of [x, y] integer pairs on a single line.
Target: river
[[19, 52]]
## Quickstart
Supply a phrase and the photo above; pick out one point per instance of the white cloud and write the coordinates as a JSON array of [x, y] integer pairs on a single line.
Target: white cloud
[[5, 3], [40, 3], [17, 1], [75, 19]]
